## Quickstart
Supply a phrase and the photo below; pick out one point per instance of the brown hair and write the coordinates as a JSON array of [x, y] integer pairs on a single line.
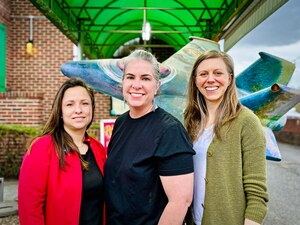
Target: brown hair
[[195, 114], [63, 142]]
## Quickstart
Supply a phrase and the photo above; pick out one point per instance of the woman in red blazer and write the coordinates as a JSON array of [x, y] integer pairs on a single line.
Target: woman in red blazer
[[61, 177]]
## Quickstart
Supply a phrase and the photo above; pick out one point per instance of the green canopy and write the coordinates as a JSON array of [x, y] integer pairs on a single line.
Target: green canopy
[[102, 26]]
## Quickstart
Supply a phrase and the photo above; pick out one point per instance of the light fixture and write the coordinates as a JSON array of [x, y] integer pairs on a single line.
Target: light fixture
[[29, 44], [146, 31], [29, 47], [146, 28]]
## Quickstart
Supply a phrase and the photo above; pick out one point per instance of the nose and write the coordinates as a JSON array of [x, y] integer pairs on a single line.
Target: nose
[[136, 84], [210, 77], [78, 108]]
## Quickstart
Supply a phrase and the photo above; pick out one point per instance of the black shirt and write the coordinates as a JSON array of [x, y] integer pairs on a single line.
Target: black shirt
[[91, 212], [141, 150]]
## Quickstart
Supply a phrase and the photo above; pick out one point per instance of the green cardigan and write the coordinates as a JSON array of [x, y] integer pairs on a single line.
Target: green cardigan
[[236, 174]]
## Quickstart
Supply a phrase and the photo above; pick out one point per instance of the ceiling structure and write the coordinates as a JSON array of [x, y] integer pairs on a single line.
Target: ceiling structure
[[102, 26]]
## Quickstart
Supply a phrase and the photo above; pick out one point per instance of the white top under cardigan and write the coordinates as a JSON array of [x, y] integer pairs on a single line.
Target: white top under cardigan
[[200, 146]]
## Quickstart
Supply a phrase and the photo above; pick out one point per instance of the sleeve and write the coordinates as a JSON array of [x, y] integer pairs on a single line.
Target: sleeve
[[175, 152], [33, 183], [254, 169]]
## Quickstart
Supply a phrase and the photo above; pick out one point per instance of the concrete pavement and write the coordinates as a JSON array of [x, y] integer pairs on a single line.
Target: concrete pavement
[[283, 187], [9, 205]]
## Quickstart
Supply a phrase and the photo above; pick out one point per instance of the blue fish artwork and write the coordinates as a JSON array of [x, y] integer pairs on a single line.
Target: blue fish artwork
[[262, 87]]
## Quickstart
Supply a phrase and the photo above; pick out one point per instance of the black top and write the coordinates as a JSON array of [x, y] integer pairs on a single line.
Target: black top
[[91, 212], [141, 150]]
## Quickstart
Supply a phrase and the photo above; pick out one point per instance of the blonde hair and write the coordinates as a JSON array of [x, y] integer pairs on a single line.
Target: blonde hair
[[195, 114]]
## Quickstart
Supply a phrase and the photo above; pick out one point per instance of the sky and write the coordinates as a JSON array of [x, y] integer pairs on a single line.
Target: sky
[[278, 35]]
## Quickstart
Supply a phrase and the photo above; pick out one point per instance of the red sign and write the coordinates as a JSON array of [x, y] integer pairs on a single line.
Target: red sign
[[106, 127]]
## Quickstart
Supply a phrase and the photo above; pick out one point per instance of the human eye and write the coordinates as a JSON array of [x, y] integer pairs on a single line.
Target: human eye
[[218, 73], [129, 77], [146, 78], [202, 74]]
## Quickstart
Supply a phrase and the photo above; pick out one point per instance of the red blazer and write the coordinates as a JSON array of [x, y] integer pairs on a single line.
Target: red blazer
[[48, 195]]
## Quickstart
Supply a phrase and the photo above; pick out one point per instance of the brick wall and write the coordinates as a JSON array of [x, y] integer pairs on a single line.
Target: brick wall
[[39, 74], [17, 108]]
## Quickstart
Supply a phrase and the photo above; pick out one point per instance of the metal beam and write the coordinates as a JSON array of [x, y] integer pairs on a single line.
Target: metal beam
[[143, 45], [139, 31], [139, 8]]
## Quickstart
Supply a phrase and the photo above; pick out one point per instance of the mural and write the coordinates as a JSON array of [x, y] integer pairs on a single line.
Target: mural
[[262, 87]]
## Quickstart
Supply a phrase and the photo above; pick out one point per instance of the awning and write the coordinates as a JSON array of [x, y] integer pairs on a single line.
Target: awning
[[102, 26]]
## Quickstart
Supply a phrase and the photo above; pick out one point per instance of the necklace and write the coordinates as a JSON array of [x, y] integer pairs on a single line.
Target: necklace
[[82, 148], [79, 144]]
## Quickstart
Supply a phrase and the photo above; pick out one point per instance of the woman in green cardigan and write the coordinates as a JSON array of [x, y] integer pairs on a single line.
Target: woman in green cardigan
[[230, 162]]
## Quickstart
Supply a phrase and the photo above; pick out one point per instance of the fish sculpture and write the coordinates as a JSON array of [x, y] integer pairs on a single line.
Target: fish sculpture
[[262, 87]]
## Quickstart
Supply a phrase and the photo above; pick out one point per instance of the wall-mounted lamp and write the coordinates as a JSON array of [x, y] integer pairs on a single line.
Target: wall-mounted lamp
[[29, 47], [146, 28], [29, 44]]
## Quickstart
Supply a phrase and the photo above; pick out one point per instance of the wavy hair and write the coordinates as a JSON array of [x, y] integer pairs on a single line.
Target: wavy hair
[[196, 113]]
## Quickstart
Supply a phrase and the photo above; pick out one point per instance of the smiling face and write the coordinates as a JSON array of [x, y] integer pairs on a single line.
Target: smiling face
[[212, 80], [139, 87], [76, 109]]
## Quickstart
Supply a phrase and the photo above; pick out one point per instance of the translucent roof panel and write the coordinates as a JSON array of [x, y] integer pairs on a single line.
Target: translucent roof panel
[[102, 26]]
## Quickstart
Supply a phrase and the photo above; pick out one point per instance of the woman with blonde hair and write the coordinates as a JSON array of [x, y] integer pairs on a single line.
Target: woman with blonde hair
[[230, 162]]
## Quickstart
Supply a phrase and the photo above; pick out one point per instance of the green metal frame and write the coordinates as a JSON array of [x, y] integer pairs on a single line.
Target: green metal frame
[[102, 26], [2, 58]]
